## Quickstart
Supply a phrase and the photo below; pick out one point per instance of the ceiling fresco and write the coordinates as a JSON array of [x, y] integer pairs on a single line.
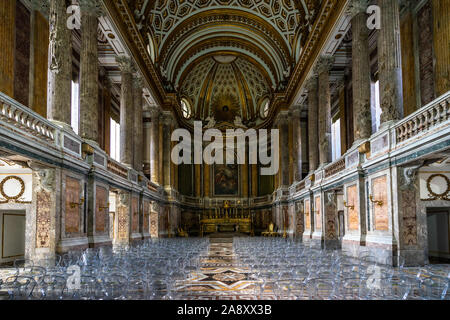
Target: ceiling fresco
[[263, 41]]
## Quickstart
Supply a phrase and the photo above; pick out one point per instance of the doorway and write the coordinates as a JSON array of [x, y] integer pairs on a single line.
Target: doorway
[[12, 235], [438, 235], [341, 222]]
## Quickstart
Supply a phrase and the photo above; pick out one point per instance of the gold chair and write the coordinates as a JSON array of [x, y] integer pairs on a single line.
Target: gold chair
[[182, 233], [270, 231]]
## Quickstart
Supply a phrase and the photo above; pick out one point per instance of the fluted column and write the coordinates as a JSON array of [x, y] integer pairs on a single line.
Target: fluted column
[[138, 127], [323, 68], [154, 145], [283, 127], [297, 145], [441, 35], [90, 11], [313, 114], [362, 117], [206, 180], [147, 137], [198, 182], [167, 131], [390, 62], [59, 65], [254, 168], [126, 111]]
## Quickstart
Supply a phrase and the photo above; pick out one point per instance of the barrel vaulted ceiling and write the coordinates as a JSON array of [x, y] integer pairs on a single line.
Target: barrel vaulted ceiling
[[212, 52]]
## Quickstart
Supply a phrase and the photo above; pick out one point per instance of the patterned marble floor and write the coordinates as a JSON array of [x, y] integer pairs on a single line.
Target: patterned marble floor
[[219, 278]]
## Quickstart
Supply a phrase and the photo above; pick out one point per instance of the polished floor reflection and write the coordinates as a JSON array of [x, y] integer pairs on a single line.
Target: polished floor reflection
[[220, 269]]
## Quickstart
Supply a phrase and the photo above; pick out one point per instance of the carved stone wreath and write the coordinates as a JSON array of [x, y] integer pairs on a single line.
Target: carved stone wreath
[[437, 196], [18, 196]]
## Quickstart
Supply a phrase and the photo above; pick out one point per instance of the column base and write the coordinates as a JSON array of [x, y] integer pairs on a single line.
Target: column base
[[70, 244], [332, 244], [99, 241]]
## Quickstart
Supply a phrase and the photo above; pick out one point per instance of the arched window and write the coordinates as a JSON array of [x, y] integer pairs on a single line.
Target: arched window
[[186, 108], [264, 109]]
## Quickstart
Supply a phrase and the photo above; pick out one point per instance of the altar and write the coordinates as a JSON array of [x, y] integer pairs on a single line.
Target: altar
[[226, 219]]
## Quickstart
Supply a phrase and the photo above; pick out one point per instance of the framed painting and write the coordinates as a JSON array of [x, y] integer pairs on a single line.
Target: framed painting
[[226, 180]]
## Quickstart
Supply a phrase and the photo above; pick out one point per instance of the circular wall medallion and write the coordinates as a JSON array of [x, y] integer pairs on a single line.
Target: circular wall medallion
[[439, 179], [12, 188]]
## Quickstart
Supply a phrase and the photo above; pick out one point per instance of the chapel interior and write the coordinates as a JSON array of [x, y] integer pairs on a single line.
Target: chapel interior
[[359, 91]]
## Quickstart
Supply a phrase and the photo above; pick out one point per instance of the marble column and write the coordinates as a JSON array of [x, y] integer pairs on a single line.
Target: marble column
[[154, 145], [313, 131], [297, 145], [283, 126], [167, 131], [323, 69], [198, 181], [147, 138], [126, 111], [138, 127], [90, 11], [206, 180], [42, 225], [59, 65], [254, 168], [390, 62], [362, 117]]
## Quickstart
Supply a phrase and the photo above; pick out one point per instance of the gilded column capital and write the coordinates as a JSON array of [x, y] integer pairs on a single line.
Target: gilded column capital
[[91, 8], [125, 64], [356, 7], [324, 63]]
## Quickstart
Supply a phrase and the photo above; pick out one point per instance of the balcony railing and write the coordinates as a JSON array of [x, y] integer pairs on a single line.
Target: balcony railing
[[24, 118], [424, 119]]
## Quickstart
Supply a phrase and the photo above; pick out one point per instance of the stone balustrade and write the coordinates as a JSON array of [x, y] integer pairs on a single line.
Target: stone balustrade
[[424, 119], [23, 118]]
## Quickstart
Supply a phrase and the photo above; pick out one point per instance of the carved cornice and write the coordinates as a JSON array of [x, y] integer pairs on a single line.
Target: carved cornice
[[124, 18], [330, 10]]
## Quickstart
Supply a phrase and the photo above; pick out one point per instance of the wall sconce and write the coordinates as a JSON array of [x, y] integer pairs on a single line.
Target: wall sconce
[[74, 204], [377, 202], [351, 207], [104, 208]]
